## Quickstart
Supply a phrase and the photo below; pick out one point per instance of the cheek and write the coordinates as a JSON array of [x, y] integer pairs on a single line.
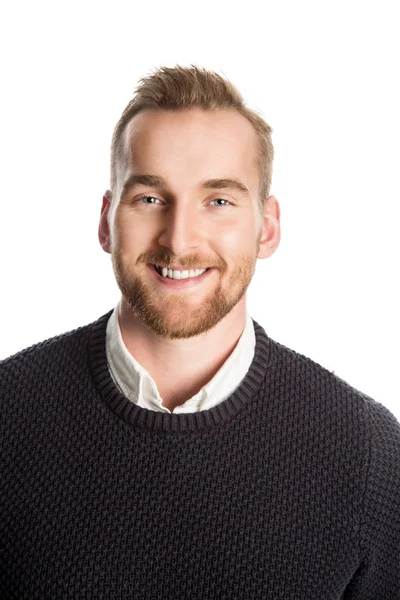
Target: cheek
[[127, 234], [238, 237]]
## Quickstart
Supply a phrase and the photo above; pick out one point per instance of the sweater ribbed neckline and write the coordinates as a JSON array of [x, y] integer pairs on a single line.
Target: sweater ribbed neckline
[[176, 423]]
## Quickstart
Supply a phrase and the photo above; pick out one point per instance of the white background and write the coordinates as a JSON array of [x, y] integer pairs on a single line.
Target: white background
[[323, 74]]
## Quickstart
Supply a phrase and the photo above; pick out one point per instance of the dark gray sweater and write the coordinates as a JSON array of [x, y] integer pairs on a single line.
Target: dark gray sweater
[[289, 489]]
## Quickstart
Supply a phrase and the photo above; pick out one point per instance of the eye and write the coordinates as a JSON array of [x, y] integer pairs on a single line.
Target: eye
[[221, 200], [148, 197], [143, 200]]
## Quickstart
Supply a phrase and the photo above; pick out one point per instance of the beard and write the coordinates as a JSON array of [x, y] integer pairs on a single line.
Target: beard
[[174, 315]]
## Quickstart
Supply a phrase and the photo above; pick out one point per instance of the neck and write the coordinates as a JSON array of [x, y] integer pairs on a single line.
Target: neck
[[180, 368]]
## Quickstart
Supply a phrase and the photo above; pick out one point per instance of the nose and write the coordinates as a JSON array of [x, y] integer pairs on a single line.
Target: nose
[[181, 229]]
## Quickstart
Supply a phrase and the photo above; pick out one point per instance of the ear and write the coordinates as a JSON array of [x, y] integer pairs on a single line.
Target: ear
[[270, 228], [104, 227]]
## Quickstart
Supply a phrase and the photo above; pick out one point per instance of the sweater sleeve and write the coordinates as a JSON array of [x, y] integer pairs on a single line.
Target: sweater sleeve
[[379, 575]]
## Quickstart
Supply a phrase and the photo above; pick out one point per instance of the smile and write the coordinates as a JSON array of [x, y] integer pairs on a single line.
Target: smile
[[179, 273], [180, 278]]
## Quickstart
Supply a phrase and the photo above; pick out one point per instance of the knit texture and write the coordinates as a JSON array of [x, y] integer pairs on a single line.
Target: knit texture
[[289, 489]]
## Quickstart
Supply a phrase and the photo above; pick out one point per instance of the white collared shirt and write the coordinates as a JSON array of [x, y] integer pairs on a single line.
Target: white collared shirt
[[137, 384]]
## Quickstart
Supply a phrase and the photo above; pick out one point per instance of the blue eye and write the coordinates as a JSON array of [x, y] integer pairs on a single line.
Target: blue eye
[[145, 197], [221, 200]]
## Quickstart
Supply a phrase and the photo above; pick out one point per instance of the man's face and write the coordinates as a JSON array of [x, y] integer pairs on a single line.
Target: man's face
[[180, 223]]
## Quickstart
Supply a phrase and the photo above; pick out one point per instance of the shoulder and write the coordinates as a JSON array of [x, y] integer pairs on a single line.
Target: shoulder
[[384, 455], [309, 379], [52, 355], [330, 400], [357, 422]]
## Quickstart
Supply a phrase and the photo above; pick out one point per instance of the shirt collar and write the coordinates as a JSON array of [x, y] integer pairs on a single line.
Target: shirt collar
[[137, 384]]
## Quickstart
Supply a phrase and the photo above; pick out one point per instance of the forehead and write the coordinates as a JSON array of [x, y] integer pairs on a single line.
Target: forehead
[[192, 144]]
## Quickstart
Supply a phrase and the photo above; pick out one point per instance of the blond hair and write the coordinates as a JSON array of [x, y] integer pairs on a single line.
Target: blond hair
[[178, 88]]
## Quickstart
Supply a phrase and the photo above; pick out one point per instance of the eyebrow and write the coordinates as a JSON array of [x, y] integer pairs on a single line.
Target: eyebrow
[[160, 182]]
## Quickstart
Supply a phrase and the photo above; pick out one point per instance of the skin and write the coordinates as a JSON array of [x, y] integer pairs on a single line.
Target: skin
[[182, 337]]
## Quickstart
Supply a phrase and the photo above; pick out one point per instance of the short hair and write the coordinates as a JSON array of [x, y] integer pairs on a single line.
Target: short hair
[[179, 88]]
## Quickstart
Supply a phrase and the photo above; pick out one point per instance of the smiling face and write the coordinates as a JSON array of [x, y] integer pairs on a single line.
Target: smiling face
[[185, 216]]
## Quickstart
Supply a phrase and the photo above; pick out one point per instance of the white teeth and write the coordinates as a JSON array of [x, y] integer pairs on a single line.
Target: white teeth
[[175, 274]]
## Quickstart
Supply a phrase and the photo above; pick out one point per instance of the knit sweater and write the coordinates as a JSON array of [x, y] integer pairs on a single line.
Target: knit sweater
[[289, 489]]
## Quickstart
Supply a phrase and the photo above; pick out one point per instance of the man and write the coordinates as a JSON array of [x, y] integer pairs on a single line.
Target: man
[[171, 448]]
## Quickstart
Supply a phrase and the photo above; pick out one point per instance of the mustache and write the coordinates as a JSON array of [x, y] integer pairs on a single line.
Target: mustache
[[165, 259]]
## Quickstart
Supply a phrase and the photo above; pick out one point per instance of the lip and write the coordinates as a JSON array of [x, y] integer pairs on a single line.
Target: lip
[[179, 284]]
